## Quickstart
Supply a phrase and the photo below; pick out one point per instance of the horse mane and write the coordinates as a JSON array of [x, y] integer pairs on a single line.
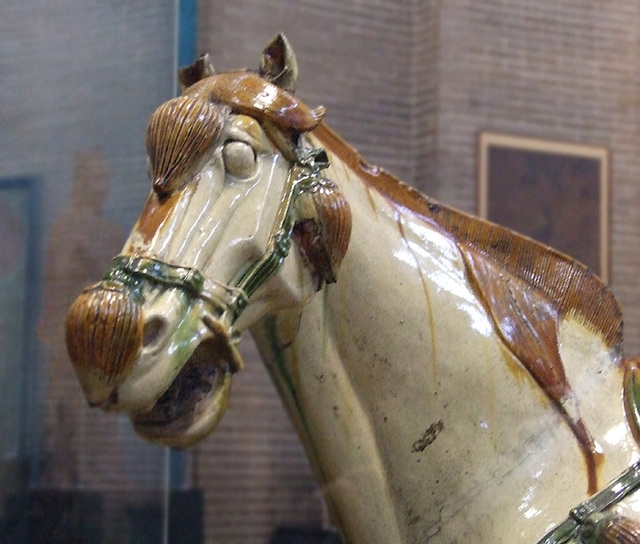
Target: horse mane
[[569, 285]]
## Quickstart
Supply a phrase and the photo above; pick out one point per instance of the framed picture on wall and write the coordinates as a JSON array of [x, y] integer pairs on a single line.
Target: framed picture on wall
[[554, 192]]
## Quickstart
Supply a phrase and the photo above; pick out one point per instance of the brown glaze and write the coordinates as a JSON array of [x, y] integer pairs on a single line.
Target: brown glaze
[[223, 346], [334, 215], [155, 211], [179, 133], [619, 530], [104, 335], [200, 69], [311, 245], [526, 288], [278, 64], [527, 322], [248, 93], [570, 285], [323, 237]]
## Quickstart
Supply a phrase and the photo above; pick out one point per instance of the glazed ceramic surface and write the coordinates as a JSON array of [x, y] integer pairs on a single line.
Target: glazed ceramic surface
[[451, 381]]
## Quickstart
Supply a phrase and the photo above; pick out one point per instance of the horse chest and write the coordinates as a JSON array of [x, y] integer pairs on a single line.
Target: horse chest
[[431, 438]]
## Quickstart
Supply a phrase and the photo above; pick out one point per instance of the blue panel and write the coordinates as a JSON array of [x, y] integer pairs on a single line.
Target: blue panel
[[187, 31]]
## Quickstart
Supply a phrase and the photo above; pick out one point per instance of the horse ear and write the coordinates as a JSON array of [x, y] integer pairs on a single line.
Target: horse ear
[[322, 230], [200, 69], [278, 64]]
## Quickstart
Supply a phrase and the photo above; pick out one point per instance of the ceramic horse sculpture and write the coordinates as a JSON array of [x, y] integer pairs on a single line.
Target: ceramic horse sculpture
[[451, 381]]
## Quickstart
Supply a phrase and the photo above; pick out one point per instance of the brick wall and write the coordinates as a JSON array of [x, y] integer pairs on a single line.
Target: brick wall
[[79, 81], [354, 57], [425, 95]]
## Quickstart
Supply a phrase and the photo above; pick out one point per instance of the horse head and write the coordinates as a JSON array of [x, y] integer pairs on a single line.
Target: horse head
[[239, 223]]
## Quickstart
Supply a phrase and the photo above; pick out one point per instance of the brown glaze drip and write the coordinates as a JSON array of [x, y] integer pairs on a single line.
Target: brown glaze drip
[[525, 287], [155, 211], [527, 322], [248, 93]]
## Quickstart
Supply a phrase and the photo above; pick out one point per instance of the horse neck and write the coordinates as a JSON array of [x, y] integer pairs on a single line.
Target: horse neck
[[398, 363], [356, 367], [304, 352]]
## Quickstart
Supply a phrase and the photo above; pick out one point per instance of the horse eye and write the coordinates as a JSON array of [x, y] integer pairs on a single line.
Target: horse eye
[[239, 159]]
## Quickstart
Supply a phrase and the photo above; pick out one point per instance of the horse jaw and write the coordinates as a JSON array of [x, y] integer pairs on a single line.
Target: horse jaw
[[179, 388], [194, 403]]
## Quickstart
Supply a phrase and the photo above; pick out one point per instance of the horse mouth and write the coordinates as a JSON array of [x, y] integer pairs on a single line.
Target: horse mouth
[[196, 399]]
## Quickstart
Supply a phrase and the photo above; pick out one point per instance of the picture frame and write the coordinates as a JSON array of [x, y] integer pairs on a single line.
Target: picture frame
[[554, 192]]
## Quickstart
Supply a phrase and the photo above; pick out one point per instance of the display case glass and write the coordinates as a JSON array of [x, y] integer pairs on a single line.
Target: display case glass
[[79, 82]]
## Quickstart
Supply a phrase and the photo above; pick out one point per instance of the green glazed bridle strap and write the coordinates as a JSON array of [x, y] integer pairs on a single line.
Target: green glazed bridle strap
[[231, 298], [583, 519], [309, 164]]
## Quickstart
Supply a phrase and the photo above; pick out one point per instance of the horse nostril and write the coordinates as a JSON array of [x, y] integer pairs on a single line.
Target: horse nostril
[[153, 329]]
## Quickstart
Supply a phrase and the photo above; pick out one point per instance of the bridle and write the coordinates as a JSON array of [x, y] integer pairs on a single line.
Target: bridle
[[588, 520], [229, 300], [585, 520]]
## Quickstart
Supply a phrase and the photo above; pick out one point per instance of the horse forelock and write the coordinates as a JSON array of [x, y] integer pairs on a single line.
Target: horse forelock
[[250, 94], [182, 129], [179, 133]]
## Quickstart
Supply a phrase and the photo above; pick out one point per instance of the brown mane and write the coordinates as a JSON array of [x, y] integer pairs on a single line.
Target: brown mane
[[569, 285]]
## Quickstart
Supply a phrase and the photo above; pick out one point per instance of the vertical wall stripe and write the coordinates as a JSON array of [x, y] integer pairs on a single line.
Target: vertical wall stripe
[[187, 31]]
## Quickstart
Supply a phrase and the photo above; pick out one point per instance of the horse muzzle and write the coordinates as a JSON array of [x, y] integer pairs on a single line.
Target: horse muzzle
[[168, 363], [104, 338]]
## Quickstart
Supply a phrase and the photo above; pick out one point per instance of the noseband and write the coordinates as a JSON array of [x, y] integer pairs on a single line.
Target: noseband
[[230, 300]]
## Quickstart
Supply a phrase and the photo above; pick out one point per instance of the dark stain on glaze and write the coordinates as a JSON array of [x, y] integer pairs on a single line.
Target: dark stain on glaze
[[428, 437]]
